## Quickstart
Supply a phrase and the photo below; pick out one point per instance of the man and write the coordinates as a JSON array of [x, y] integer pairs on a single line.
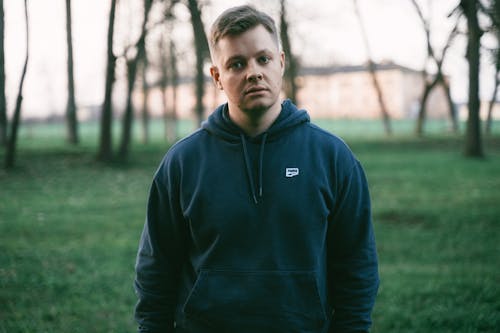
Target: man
[[259, 222]]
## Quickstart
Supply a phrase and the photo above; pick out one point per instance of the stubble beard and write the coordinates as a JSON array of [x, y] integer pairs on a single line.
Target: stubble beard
[[257, 109]]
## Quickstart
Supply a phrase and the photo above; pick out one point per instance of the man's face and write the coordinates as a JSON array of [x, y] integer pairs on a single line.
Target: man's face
[[249, 68]]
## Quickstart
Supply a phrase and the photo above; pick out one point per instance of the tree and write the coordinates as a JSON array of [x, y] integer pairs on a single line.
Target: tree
[[140, 51], [71, 119], [291, 69], [164, 79], [432, 81], [105, 153], [492, 102], [169, 78], [3, 100], [145, 99], [202, 53], [473, 143], [173, 78], [494, 13], [372, 69], [12, 140]]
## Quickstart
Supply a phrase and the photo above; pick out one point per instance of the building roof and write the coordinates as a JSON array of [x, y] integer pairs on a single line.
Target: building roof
[[329, 70]]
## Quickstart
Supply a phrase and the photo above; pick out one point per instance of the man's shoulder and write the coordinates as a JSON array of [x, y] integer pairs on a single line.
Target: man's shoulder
[[326, 139], [188, 147], [187, 143]]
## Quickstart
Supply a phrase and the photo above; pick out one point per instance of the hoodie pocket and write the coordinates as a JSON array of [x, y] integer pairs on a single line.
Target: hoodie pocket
[[262, 301]]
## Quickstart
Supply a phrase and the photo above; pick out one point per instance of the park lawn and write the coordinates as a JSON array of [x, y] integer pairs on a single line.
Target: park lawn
[[69, 231], [437, 222]]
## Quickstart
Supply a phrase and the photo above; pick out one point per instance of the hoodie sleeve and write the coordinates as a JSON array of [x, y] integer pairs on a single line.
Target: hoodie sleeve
[[352, 258], [159, 257]]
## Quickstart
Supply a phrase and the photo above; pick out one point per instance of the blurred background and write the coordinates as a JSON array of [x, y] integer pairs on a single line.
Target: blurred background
[[334, 47], [93, 93]]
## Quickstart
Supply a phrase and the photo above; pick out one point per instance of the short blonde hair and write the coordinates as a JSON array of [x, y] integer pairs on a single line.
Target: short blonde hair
[[236, 20]]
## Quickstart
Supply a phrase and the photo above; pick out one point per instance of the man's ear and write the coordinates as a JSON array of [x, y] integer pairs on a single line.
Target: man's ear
[[214, 72]]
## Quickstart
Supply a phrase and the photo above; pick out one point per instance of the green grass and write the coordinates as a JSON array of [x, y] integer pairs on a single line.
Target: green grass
[[437, 220], [69, 230]]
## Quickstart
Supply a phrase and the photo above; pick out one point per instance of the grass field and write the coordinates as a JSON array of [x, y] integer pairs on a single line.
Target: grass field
[[69, 230]]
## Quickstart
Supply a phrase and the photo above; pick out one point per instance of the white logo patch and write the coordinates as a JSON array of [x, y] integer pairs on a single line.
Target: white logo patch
[[291, 172]]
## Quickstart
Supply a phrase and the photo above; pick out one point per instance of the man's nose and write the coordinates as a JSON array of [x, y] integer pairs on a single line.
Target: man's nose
[[254, 72]]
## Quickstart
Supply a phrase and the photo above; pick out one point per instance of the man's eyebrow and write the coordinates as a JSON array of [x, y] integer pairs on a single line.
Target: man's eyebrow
[[234, 57], [240, 56], [264, 51]]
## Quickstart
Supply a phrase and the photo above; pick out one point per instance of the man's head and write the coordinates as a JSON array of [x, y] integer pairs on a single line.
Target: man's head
[[235, 21], [247, 64]]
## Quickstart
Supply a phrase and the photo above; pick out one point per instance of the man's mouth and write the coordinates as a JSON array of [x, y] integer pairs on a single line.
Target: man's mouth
[[252, 90]]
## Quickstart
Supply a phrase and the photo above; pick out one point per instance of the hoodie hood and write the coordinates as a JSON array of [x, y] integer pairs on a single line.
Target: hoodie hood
[[220, 125]]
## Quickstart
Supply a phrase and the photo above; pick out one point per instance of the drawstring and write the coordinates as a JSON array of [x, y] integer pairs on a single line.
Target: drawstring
[[247, 164], [261, 161], [249, 169]]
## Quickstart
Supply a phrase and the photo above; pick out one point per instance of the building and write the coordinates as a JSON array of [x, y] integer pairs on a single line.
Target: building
[[333, 92], [349, 92]]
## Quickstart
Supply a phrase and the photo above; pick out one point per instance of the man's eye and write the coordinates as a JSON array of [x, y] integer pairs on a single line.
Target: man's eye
[[264, 59], [236, 65]]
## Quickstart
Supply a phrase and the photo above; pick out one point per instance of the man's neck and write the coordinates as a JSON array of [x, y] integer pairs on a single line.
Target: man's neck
[[256, 123]]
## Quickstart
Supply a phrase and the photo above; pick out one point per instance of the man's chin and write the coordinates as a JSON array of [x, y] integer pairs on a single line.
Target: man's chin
[[256, 109], [257, 106]]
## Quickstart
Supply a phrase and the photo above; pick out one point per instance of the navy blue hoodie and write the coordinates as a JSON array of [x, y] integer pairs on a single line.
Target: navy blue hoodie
[[254, 235]]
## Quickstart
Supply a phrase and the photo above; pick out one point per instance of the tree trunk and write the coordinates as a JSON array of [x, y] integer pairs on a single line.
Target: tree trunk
[[495, 18], [492, 102], [3, 100], [383, 108], [131, 76], [169, 79], [129, 111], [386, 119], [473, 144], [71, 119], [164, 80], [431, 55], [200, 88], [105, 153], [174, 83], [451, 106], [423, 106], [12, 142], [201, 50], [145, 100], [291, 69]]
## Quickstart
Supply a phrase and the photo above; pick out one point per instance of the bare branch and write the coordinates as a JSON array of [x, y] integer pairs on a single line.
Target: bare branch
[[454, 32], [456, 11], [372, 69], [425, 23]]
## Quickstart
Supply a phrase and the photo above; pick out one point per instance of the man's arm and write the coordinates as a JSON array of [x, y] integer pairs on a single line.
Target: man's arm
[[352, 258], [159, 258]]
